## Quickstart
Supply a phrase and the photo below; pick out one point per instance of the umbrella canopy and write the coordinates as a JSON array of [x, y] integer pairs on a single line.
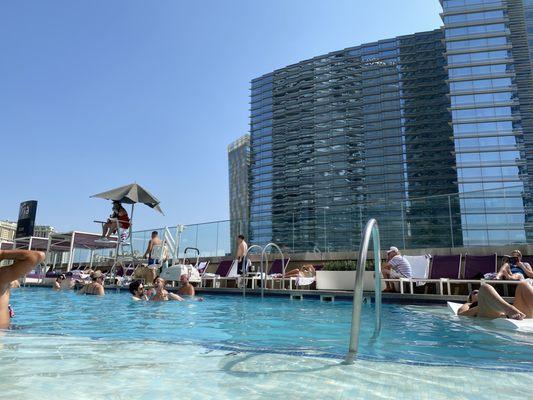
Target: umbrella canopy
[[131, 194]]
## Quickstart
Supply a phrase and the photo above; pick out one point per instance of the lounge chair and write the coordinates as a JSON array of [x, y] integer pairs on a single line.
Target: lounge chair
[[223, 271], [442, 270], [419, 272], [275, 274]]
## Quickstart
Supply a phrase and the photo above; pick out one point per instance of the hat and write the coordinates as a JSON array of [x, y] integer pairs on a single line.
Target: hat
[[96, 275], [393, 248]]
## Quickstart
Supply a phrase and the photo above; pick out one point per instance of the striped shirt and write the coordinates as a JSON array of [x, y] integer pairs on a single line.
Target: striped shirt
[[401, 265]]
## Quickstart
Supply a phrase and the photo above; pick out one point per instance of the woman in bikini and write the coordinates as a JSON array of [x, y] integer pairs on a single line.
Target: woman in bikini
[[487, 303]]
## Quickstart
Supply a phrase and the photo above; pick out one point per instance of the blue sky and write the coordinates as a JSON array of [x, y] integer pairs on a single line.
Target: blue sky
[[97, 94]]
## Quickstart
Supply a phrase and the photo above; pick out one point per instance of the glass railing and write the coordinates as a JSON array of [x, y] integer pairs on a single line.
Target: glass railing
[[480, 218]]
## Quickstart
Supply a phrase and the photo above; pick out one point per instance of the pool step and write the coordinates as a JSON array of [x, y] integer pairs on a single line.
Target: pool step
[[297, 296], [327, 297]]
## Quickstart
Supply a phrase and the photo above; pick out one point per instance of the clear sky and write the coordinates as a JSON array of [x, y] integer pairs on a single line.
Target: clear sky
[[97, 94]]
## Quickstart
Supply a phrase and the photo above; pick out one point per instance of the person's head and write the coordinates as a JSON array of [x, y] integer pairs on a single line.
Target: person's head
[[60, 278], [393, 251], [98, 276], [184, 279], [154, 234], [240, 239], [159, 283], [472, 297], [516, 257], [136, 288]]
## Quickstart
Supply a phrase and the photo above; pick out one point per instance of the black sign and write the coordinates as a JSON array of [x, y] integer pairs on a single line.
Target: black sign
[[26, 221]]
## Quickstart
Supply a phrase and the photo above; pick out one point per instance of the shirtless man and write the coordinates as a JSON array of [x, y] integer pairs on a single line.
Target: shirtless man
[[160, 294], [24, 261], [136, 289], [242, 247], [96, 287], [154, 241], [186, 289]]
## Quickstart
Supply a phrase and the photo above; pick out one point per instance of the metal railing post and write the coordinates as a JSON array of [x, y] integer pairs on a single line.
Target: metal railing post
[[263, 273], [371, 230], [245, 266]]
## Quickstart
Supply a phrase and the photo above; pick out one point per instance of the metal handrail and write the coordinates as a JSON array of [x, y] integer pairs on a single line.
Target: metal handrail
[[263, 273], [245, 266], [371, 231]]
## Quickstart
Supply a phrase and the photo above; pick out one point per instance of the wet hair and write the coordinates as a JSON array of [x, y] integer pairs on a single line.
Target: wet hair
[[241, 237], [154, 233], [134, 286], [158, 277], [469, 300]]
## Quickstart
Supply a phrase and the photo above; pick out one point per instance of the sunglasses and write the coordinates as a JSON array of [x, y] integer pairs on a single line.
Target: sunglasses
[[474, 292]]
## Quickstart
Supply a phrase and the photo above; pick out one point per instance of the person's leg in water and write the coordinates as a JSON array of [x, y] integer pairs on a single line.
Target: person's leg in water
[[491, 305], [523, 299]]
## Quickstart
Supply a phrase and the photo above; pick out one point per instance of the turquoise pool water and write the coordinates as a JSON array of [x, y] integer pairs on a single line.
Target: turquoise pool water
[[261, 346]]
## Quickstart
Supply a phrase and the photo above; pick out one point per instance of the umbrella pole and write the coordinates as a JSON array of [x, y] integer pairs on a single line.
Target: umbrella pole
[[131, 233]]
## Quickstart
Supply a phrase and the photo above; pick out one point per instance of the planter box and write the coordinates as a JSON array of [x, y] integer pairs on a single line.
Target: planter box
[[342, 280]]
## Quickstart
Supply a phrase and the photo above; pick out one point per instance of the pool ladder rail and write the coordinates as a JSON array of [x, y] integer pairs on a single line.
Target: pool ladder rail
[[371, 231], [264, 261]]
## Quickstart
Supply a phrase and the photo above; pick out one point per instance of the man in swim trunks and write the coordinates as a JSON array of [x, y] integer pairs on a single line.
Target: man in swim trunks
[[515, 268], [160, 294], [96, 287], [242, 248], [24, 261], [136, 289], [487, 303], [154, 241]]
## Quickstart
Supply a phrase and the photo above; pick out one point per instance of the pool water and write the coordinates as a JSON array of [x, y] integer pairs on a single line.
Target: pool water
[[68, 346]]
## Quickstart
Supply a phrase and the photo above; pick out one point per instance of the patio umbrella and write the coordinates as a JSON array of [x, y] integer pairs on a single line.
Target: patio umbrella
[[131, 194]]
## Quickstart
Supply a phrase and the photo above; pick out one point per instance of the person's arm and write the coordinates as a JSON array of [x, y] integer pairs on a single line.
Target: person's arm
[[100, 290], [173, 296], [82, 290], [24, 261], [526, 267], [148, 249], [466, 311]]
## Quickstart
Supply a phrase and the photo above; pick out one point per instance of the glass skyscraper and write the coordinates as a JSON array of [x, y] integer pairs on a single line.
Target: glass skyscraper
[[238, 169], [489, 67], [420, 132]]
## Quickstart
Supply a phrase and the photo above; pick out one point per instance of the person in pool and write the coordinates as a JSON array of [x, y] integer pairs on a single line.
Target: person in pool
[[487, 303], [59, 280], [160, 294], [96, 287], [515, 268], [137, 291], [24, 261]]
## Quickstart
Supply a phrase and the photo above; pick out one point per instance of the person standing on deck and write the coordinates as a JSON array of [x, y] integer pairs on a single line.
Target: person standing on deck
[[242, 248], [24, 261], [154, 241]]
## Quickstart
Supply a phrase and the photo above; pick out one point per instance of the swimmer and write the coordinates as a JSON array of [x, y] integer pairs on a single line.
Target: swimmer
[[160, 294], [59, 279], [487, 303], [24, 261], [96, 287], [136, 289], [187, 289]]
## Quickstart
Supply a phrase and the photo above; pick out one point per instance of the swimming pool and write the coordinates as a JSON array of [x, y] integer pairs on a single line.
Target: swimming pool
[[66, 346]]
